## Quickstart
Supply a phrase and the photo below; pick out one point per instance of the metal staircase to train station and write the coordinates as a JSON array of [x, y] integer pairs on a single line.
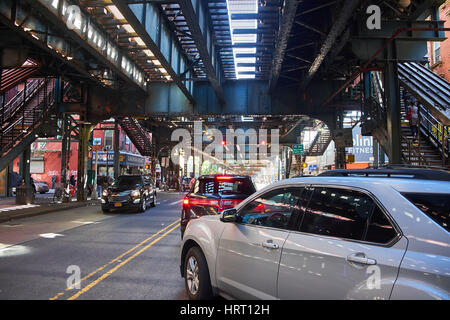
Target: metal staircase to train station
[[417, 83], [23, 114], [140, 137], [320, 142]]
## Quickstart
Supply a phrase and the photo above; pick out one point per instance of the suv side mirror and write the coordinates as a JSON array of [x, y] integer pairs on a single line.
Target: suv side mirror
[[229, 215]]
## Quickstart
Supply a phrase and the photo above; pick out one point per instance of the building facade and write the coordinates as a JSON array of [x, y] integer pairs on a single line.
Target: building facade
[[45, 162], [439, 52]]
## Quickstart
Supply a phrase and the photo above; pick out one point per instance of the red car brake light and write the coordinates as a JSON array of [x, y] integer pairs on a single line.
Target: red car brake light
[[224, 178]]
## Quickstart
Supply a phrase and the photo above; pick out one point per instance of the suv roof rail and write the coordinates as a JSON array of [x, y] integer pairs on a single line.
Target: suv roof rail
[[408, 166], [391, 172]]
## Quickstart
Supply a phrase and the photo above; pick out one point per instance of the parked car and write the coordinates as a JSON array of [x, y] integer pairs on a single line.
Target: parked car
[[41, 187], [211, 194], [337, 236], [129, 192]]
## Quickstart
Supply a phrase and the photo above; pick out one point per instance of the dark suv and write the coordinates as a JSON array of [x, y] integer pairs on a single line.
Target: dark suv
[[129, 192], [211, 194]]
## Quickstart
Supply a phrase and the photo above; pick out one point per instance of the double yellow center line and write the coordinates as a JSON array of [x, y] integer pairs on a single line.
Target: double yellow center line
[[161, 233]]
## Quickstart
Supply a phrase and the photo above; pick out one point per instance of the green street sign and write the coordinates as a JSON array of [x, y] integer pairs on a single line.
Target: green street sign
[[298, 149]]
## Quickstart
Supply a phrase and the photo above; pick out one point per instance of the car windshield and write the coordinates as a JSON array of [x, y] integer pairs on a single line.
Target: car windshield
[[435, 206], [128, 181]]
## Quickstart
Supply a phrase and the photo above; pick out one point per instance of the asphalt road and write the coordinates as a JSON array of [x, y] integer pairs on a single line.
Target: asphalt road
[[122, 256]]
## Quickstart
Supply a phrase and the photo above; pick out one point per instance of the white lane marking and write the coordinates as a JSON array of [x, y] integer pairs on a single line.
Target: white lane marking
[[85, 222], [50, 235], [175, 202], [26, 206]]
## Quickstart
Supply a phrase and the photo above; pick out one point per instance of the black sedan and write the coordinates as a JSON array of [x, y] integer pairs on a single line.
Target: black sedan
[[134, 192], [211, 194]]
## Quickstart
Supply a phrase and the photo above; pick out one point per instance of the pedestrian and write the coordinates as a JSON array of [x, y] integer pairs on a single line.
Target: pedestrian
[[53, 182], [73, 182], [32, 184], [414, 122], [192, 182]]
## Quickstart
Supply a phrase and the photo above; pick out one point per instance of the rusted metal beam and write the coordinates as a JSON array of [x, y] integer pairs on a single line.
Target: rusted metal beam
[[287, 20]]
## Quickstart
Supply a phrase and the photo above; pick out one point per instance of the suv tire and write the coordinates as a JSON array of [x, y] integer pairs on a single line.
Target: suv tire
[[196, 275]]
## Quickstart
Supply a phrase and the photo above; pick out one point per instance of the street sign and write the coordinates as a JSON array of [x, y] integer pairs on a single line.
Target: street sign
[[97, 141], [350, 158], [298, 149]]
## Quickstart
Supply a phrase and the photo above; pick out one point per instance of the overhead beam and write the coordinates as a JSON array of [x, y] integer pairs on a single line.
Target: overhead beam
[[307, 26], [317, 8], [197, 34], [424, 9], [128, 14], [338, 27], [287, 20]]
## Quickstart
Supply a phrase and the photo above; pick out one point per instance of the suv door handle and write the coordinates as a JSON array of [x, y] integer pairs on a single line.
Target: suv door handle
[[361, 258], [270, 245]]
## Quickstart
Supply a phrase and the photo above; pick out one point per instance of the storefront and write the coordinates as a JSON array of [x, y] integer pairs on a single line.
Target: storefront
[[129, 163]]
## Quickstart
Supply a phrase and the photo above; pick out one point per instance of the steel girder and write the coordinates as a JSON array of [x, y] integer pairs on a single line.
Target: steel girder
[[338, 27], [287, 20], [198, 34], [142, 31]]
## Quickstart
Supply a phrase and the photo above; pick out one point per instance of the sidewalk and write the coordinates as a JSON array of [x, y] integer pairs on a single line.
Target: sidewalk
[[9, 210]]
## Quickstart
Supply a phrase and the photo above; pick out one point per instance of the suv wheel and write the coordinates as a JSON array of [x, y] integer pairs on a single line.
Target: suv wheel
[[196, 275], [154, 201], [143, 205]]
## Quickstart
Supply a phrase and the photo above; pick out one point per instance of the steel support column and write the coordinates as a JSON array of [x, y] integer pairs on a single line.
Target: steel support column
[[65, 153], [83, 143], [391, 88], [340, 161], [116, 151], [25, 165]]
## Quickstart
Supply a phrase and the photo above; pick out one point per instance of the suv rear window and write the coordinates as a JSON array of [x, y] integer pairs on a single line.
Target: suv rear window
[[434, 205], [228, 185], [235, 186]]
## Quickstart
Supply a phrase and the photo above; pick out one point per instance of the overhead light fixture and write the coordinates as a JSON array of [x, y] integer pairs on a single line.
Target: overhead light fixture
[[246, 76], [243, 7], [246, 60], [245, 69]]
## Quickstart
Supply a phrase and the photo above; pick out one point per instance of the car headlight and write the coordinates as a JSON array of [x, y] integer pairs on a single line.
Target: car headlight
[[135, 193], [105, 193]]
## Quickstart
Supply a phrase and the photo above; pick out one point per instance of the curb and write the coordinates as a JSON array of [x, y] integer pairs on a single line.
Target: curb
[[19, 214]]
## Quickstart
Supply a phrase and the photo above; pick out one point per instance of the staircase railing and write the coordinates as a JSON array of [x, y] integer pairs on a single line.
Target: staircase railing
[[413, 155], [138, 135], [29, 118], [22, 97], [436, 132]]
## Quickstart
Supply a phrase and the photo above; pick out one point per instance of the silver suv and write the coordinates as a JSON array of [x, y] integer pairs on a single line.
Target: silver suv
[[333, 237]]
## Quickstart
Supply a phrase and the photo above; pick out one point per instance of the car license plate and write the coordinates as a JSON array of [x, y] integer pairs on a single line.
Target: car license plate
[[117, 204]]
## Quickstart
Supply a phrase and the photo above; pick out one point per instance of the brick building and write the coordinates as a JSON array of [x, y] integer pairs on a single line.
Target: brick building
[[439, 52]]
